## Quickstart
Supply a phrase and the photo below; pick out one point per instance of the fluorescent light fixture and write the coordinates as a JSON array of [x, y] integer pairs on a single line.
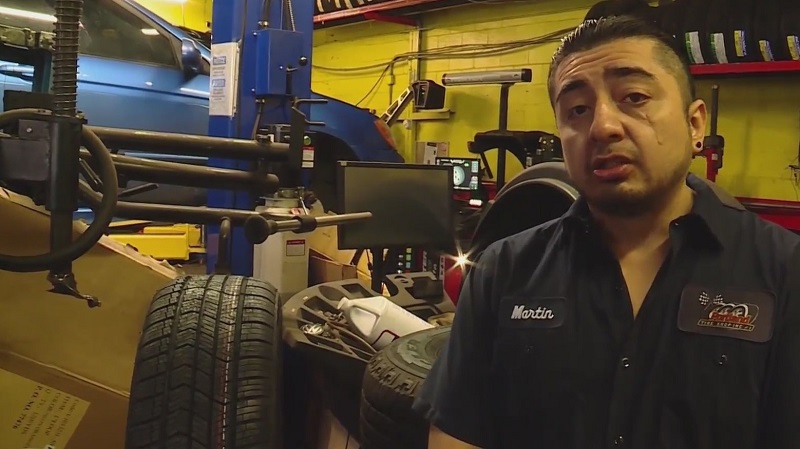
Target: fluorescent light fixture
[[27, 14], [149, 31], [493, 77]]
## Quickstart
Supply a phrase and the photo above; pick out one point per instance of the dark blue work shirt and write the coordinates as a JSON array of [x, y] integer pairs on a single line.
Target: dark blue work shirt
[[545, 352]]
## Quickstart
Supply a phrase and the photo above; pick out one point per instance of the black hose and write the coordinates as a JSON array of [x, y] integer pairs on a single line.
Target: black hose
[[103, 214]]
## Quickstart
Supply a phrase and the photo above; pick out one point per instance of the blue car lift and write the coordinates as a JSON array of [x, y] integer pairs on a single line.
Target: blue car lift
[[274, 44]]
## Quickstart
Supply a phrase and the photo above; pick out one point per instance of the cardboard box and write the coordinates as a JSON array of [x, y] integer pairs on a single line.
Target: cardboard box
[[322, 268], [65, 369], [325, 242], [333, 435]]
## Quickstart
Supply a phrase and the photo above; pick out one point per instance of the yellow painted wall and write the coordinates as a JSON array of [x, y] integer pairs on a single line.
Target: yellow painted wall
[[759, 116], [192, 14]]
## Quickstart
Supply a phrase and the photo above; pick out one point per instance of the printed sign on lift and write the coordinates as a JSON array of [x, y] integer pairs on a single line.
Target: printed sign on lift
[[295, 248]]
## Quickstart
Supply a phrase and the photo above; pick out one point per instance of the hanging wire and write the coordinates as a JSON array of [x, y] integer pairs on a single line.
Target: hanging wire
[[459, 51]]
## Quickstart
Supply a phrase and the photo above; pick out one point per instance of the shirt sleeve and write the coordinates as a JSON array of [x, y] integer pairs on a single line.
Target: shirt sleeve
[[781, 408], [455, 395]]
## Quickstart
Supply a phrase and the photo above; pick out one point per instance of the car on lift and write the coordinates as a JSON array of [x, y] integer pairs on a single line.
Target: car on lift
[[138, 71]]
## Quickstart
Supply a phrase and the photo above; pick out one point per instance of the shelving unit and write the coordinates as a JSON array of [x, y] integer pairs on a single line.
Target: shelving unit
[[746, 68], [390, 11]]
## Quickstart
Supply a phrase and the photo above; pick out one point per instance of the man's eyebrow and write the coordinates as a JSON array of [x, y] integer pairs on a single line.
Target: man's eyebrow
[[628, 72], [614, 72], [570, 86]]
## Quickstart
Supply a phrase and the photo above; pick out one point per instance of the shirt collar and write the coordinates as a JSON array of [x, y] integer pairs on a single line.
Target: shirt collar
[[706, 223]]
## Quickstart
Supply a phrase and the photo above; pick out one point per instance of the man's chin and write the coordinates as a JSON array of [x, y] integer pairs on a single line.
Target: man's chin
[[623, 204]]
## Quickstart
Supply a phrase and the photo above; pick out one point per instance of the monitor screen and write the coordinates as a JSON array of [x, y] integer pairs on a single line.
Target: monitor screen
[[466, 172], [411, 205]]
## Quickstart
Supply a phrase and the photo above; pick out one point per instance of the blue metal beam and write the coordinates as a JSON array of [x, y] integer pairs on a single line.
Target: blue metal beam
[[270, 41]]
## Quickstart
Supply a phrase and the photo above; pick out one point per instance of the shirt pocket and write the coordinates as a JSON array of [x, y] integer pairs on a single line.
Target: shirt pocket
[[713, 383], [535, 352]]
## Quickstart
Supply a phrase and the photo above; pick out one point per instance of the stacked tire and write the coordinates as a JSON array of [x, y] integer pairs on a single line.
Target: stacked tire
[[328, 6], [392, 381], [721, 31]]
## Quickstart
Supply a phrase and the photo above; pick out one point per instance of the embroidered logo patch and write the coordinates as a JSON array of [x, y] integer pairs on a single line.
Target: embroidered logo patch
[[747, 315]]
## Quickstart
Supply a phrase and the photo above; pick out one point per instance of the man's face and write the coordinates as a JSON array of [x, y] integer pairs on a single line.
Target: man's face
[[626, 133]]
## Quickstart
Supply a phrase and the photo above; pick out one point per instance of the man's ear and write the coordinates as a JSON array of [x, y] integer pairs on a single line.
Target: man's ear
[[698, 114]]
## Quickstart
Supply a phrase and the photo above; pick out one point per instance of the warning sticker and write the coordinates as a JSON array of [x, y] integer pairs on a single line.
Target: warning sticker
[[294, 248], [36, 416]]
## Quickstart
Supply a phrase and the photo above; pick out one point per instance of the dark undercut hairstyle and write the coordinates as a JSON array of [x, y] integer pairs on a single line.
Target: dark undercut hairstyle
[[596, 32]]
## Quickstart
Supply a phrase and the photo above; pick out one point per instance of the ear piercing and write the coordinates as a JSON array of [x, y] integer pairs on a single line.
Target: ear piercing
[[699, 145]]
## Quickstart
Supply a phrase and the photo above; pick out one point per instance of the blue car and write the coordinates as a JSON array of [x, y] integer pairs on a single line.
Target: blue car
[[137, 71]]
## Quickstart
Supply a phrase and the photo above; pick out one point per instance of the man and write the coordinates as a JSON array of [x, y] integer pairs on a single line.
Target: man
[[656, 314]]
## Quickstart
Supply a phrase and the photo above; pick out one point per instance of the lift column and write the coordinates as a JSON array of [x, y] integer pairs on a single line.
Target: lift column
[[261, 62]]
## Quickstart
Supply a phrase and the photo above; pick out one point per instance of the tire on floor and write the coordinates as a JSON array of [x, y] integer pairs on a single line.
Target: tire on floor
[[391, 382], [208, 367]]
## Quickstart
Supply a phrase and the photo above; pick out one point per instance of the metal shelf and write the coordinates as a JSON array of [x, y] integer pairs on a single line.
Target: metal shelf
[[746, 68], [380, 11]]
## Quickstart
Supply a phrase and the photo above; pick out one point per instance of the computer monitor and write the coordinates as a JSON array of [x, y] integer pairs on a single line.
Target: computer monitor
[[411, 205], [466, 172]]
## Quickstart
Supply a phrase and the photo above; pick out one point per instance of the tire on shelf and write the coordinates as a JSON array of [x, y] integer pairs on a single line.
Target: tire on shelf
[[771, 46], [391, 382], [605, 8], [741, 44], [208, 369], [712, 39], [691, 29], [790, 28], [664, 17]]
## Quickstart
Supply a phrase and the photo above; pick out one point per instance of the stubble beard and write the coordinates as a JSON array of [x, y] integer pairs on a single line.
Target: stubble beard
[[628, 203]]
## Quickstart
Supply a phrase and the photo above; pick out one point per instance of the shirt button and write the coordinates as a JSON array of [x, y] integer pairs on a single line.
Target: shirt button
[[626, 363], [619, 441]]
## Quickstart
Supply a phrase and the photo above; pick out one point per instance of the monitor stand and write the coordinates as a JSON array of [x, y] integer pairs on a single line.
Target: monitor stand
[[378, 269]]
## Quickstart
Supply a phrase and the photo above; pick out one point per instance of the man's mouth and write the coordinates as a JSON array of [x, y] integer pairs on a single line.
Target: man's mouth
[[613, 168]]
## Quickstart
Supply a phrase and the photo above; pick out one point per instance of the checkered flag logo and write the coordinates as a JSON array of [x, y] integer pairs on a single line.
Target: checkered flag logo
[[704, 299], [718, 301]]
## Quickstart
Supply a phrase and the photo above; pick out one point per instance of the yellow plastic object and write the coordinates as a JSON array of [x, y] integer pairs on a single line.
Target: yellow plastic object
[[177, 242]]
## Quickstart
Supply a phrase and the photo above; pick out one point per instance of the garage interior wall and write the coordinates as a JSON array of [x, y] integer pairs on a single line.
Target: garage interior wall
[[759, 114], [194, 14]]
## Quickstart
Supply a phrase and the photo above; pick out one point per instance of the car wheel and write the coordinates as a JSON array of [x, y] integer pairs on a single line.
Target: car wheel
[[208, 367], [391, 382]]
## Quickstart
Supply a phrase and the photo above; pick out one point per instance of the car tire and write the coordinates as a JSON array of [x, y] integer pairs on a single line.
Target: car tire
[[208, 369], [391, 382], [790, 29]]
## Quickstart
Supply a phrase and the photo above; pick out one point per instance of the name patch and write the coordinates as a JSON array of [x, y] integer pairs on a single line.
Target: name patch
[[542, 313], [746, 315]]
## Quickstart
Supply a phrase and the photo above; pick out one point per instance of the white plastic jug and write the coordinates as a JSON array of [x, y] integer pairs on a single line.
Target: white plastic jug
[[380, 321]]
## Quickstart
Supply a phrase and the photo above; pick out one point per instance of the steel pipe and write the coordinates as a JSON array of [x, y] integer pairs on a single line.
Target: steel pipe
[[174, 173], [206, 215], [190, 145]]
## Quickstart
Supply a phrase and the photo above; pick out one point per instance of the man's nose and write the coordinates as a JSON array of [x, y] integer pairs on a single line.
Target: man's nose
[[606, 123]]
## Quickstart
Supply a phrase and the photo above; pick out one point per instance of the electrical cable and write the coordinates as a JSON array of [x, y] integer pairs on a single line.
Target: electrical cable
[[467, 51], [103, 215], [460, 51]]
